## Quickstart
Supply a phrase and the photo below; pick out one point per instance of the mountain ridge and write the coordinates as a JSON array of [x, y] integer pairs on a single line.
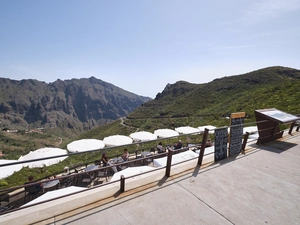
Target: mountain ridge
[[77, 104], [271, 87]]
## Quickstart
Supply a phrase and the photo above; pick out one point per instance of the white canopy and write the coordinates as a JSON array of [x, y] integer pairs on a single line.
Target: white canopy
[[180, 157], [130, 171], [251, 129], [42, 153], [9, 170], [165, 133], [186, 130], [210, 127], [56, 193], [143, 136], [85, 145], [207, 150], [116, 140]]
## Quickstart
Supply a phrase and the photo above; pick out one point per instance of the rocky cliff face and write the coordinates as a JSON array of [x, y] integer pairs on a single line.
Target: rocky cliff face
[[76, 103]]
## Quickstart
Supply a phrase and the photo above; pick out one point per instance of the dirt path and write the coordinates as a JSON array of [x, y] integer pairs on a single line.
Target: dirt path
[[122, 123]]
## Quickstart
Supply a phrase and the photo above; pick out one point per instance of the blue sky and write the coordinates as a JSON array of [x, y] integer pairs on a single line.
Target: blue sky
[[142, 45]]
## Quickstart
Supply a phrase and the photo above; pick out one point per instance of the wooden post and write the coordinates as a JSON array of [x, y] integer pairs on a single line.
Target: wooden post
[[291, 127], [245, 142], [122, 184], [169, 162], [204, 139]]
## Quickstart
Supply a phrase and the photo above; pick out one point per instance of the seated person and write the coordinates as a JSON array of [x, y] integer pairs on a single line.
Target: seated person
[[106, 162], [178, 145], [38, 187], [104, 159], [67, 180], [125, 155], [208, 143], [66, 171], [160, 148]]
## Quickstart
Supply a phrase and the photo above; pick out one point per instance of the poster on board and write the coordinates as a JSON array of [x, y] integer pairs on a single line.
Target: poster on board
[[236, 132], [221, 141]]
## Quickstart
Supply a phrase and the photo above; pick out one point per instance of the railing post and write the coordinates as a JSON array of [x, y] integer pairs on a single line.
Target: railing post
[[169, 162], [245, 142], [204, 139], [122, 184]]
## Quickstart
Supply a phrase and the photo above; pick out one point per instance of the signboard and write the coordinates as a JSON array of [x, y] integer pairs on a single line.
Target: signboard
[[236, 133], [277, 115], [268, 121], [221, 140]]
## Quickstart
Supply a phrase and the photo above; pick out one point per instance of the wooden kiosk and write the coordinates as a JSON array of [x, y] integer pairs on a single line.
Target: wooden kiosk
[[268, 121]]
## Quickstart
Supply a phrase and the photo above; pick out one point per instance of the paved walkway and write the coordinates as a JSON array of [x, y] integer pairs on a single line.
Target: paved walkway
[[260, 187]]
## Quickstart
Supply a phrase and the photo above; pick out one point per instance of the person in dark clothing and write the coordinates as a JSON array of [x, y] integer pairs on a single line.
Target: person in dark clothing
[[178, 145], [160, 148], [104, 159], [38, 187]]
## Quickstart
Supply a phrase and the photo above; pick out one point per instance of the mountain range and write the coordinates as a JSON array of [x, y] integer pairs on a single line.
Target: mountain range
[[81, 104], [76, 104]]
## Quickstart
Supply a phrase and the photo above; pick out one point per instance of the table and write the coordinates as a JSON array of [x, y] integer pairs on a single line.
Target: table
[[114, 168], [180, 157], [117, 160], [194, 147], [207, 150], [145, 154], [90, 168], [50, 184]]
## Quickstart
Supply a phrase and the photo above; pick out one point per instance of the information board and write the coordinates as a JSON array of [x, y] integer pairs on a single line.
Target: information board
[[221, 140], [268, 121], [236, 135]]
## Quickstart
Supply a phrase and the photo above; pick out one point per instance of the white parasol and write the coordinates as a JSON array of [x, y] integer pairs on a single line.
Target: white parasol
[[130, 171], [56, 193], [43, 153], [143, 136], [187, 130], [85, 145], [165, 133], [7, 171], [210, 127], [116, 140]]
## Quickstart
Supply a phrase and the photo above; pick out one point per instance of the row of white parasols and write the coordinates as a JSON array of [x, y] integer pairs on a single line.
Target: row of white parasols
[[93, 144]]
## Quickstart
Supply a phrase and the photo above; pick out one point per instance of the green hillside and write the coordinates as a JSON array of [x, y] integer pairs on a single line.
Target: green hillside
[[274, 87]]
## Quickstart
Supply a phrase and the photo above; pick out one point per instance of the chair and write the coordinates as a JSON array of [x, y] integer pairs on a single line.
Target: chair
[[159, 150], [148, 160], [4, 197], [76, 180], [103, 173], [66, 182], [86, 178], [30, 192]]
